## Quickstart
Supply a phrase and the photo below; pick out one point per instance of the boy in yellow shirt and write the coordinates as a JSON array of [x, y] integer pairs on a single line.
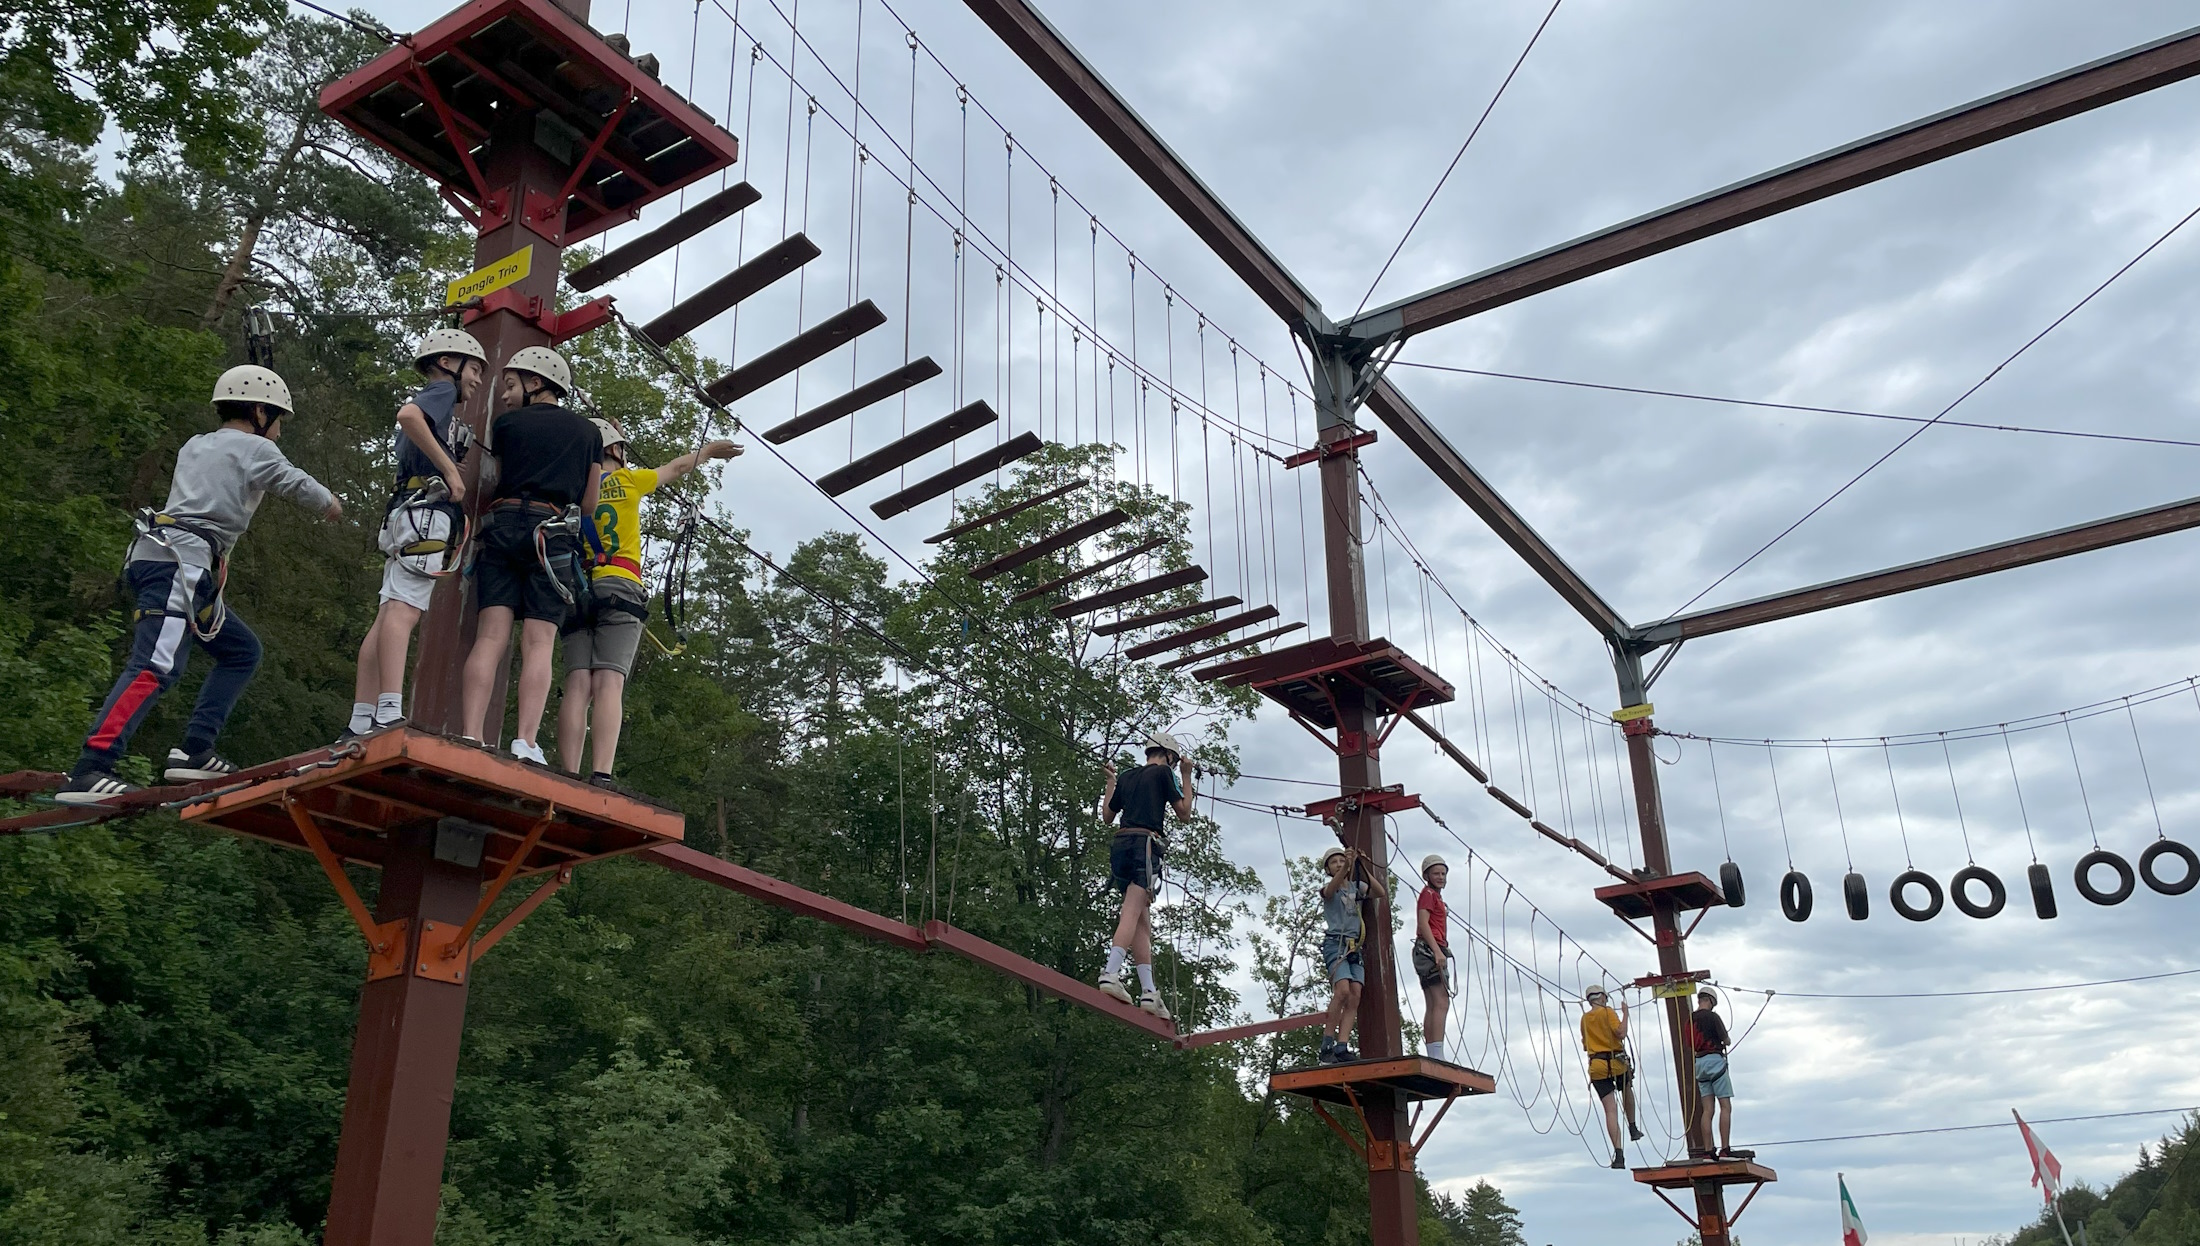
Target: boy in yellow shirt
[[1604, 1037], [605, 633]]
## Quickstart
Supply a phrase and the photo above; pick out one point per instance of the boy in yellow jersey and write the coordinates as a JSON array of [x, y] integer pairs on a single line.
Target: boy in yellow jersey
[[604, 635], [1604, 1037]]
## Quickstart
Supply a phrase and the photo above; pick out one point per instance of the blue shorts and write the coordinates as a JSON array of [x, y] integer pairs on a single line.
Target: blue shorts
[[1714, 1080], [1344, 966], [1134, 860]]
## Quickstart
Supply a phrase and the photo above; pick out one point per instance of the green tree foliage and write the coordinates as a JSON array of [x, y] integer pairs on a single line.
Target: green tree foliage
[[1480, 1218], [647, 1059]]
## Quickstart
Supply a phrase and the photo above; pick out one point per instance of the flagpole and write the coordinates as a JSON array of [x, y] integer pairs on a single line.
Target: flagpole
[[2056, 1204]]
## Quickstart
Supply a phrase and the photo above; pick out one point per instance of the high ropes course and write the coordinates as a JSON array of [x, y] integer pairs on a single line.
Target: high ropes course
[[932, 284]]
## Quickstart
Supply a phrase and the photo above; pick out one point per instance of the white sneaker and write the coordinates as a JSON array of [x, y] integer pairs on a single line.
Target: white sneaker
[[528, 751], [1152, 1004], [1111, 985]]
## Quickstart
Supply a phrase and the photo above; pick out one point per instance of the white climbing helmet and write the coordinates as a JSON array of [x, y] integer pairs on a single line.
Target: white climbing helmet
[[543, 362], [1431, 861], [1165, 742], [448, 342], [610, 431], [1333, 854], [249, 382]]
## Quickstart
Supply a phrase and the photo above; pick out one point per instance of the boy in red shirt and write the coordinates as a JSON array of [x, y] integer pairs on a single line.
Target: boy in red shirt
[[1432, 952]]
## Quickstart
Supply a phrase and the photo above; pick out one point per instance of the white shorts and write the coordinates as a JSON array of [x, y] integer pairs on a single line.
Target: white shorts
[[401, 582]]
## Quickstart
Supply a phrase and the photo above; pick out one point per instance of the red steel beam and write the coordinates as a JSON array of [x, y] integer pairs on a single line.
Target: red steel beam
[[1031, 973], [1412, 428], [1281, 1025], [1018, 25], [785, 895], [1947, 569], [1867, 160]]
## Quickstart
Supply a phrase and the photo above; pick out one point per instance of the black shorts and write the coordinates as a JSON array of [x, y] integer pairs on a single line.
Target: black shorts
[[1618, 1081], [1134, 860], [1428, 966], [508, 571]]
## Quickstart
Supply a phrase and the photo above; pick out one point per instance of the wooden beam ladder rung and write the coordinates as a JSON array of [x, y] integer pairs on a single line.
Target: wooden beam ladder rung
[[907, 449], [907, 376], [1158, 617], [1047, 545], [625, 258], [1131, 592], [1235, 645], [983, 463], [997, 515], [834, 331], [698, 309], [1143, 547], [1220, 627]]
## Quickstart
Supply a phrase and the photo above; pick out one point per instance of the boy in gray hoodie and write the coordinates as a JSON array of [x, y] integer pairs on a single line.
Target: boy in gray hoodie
[[175, 573]]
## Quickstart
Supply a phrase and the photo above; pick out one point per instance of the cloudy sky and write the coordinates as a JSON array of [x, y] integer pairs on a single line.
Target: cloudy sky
[[1324, 135]]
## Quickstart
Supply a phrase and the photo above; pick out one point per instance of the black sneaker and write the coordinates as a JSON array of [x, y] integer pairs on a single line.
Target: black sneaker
[[1345, 1055], [602, 779], [1634, 1132], [93, 787], [1619, 1158], [1329, 1051], [188, 768], [387, 724], [1736, 1153]]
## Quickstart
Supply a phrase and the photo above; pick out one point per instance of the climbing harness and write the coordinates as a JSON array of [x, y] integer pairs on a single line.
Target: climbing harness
[[424, 529], [162, 529]]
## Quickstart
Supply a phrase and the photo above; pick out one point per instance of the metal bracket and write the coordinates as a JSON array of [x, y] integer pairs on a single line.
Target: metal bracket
[[1331, 449], [385, 940], [561, 326]]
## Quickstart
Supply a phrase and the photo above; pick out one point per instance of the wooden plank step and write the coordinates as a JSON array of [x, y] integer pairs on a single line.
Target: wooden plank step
[[1046, 545], [1144, 547], [1208, 673], [706, 304], [836, 330], [908, 448], [995, 516], [907, 376], [1220, 627], [983, 463], [628, 256], [1132, 592], [1165, 616]]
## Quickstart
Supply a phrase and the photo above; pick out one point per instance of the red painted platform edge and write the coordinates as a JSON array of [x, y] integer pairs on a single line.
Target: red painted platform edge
[[1724, 1172]]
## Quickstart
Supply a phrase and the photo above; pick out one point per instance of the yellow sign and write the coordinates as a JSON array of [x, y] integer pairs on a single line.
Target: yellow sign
[[1674, 990], [512, 268], [1633, 712]]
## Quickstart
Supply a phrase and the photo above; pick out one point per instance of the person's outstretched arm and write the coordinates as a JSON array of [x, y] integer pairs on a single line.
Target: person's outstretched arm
[[696, 458], [1107, 796]]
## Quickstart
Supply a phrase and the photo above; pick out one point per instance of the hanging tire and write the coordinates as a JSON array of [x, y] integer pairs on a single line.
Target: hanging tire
[[2126, 880], [1795, 896], [1915, 912], [1856, 896], [2169, 848], [2043, 890], [1996, 894], [1730, 884]]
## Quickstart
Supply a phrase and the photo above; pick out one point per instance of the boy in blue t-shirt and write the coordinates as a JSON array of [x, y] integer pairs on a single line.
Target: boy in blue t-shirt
[[422, 530], [1134, 860]]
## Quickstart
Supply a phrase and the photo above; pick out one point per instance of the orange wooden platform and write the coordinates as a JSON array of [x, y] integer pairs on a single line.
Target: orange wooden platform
[[1718, 1172], [1415, 1077], [403, 777]]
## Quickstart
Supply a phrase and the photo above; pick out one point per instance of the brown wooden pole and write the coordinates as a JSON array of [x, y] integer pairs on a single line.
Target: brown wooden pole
[[1392, 1197], [1665, 927]]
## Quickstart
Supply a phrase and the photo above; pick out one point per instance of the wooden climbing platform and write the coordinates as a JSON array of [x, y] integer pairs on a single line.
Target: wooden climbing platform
[[1305, 679], [1685, 892], [1718, 1172], [1415, 1077], [402, 777]]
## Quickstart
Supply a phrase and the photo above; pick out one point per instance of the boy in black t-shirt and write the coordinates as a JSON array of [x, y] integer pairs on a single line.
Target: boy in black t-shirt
[[549, 460], [1134, 860], [1714, 1084], [421, 529]]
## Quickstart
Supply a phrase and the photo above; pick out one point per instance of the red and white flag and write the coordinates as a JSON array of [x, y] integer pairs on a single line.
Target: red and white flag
[[2046, 1170], [1852, 1225]]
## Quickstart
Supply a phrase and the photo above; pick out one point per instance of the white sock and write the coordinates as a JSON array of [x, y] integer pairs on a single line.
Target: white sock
[[362, 715], [388, 707], [1116, 957], [1145, 979], [1436, 1049]]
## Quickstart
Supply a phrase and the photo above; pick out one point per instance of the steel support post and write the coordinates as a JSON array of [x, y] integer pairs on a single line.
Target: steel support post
[[514, 164], [404, 1062], [1392, 1199], [1665, 926]]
